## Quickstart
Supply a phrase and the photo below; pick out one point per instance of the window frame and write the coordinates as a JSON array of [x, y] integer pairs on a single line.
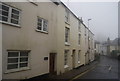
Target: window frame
[[66, 58], [18, 67], [67, 36], [79, 55], [67, 16], [79, 26], [9, 18], [42, 25], [79, 39]]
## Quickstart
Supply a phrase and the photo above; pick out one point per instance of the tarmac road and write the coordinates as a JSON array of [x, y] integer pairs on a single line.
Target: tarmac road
[[107, 68]]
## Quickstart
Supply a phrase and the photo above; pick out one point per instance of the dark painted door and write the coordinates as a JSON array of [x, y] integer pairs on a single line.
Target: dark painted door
[[52, 63]]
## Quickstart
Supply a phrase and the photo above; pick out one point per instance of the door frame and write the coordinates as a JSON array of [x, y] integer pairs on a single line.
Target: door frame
[[52, 63], [73, 58]]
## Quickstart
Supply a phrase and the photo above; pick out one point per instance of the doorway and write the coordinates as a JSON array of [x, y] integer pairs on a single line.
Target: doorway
[[73, 59], [86, 58], [52, 63]]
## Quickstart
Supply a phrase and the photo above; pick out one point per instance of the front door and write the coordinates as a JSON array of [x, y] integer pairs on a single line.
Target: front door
[[86, 58], [73, 58], [52, 63]]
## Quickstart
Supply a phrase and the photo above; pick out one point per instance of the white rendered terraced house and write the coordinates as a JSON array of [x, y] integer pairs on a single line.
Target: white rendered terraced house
[[40, 38]]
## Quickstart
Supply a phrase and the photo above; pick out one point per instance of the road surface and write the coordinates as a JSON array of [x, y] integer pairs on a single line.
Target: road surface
[[107, 68]]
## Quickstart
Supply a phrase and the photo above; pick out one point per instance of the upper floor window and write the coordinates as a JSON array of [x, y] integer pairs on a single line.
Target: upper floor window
[[17, 60], [79, 26], [79, 37], [85, 32], [67, 35], [42, 25], [67, 15], [9, 14]]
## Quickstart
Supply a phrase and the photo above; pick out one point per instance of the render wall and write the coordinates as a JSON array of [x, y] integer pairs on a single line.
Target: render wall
[[0, 51], [73, 44], [26, 37]]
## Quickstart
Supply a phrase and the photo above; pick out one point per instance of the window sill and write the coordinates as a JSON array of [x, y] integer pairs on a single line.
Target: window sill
[[17, 70], [11, 24], [42, 31], [67, 44], [66, 66], [67, 23], [34, 3], [78, 62]]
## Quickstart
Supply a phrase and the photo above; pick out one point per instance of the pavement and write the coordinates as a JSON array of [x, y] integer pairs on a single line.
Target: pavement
[[104, 69], [67, 76]]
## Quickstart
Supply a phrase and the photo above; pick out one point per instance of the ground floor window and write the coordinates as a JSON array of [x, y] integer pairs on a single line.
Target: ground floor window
[[17, 60], [66, 52], [79, 53]]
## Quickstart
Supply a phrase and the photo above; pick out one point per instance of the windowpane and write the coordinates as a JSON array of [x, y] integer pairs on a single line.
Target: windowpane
[[15, 16], [0, 17], [12, 66], [66, 15], [17, 60], [13, 54], [40, 24], [23, 59], [79, 38], [39, 20], [12, 60], [5, 8], [15, 11], [14, 21], [23, 64], [0, 5], [24, 53], [39, 28], [4, 13], [66, 57], [66, 34], [45, 25], [0, 12], [79, 55], [4, 19]]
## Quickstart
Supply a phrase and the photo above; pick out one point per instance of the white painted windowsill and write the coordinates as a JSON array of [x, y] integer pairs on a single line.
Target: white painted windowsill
[[66, 66], [17, 70], [67, 44], [78, 62], [41, 31], [11, 24]]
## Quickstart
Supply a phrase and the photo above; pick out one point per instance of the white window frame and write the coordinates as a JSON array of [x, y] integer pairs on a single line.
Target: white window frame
[[10, 15], [85, 32], [19, 68], [66, 53], [42, 27], [79, 26], [79, 55], [67, 16], [68, 36], [79, 39]]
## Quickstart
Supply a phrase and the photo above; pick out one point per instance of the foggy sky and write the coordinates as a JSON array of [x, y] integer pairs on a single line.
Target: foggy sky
[[104, 17]]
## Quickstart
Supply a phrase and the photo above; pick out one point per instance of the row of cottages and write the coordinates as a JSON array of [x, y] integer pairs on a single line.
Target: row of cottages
[[42, 37]]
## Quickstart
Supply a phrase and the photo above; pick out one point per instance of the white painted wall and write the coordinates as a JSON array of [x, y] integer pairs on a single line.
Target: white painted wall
[[0, 51]]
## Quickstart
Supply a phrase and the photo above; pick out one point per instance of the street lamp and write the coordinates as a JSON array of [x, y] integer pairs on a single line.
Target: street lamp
[[88, 22], [88, 41]]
